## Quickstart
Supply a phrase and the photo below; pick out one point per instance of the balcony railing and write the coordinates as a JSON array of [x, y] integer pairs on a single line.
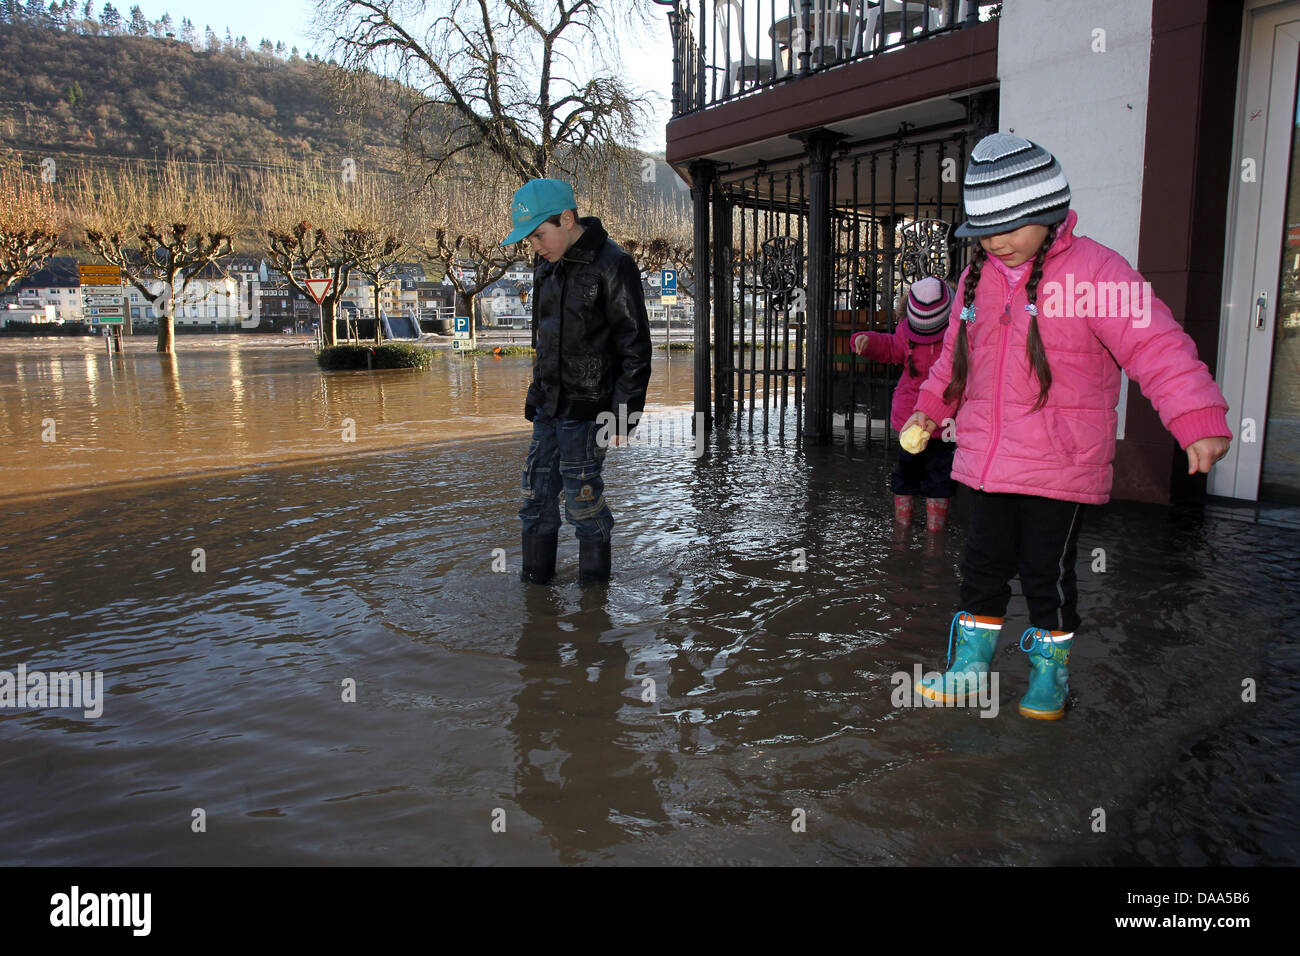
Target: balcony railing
[[725, 49]]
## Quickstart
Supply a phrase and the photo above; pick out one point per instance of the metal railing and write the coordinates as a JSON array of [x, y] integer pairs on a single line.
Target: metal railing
[[725, 49], [895, 204]]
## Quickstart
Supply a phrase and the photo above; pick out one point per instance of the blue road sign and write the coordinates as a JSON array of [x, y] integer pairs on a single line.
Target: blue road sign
[[668, 282], [461, 323]]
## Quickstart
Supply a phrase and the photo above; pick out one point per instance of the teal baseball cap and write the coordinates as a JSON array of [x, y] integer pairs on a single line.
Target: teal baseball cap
[[536, 201]]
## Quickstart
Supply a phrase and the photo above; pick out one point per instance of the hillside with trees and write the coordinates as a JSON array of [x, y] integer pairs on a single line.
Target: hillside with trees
[[78, 88]]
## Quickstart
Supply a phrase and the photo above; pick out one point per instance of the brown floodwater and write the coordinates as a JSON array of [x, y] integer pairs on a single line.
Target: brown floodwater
[[320, 648], [72, 417]]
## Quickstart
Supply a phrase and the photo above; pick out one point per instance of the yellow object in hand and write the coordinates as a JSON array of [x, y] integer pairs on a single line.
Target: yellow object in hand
[[914, 439]]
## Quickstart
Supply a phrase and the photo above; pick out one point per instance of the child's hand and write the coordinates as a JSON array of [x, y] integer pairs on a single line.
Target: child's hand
[[922, 419], [1205, 452], [858, 343]]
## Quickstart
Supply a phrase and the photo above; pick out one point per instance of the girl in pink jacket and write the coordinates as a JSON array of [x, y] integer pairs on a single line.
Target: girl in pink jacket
[[1030, 369], [916, 343]]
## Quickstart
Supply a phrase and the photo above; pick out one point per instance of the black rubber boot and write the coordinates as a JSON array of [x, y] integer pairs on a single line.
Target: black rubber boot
[[539, 558], [593, 560]]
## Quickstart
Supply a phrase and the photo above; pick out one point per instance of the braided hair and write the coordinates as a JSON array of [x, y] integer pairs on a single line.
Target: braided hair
[[1034, 343], [961, 351]]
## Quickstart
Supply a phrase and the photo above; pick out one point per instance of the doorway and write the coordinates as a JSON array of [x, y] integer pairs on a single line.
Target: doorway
[[1259, 351]]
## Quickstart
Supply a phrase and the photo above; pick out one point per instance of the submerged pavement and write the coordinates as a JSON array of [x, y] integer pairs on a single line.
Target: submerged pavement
[[332, 661]]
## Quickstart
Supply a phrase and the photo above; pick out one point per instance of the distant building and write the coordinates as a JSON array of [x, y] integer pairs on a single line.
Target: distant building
[[281, 306], [245, 268], [212, 298], [409, 270], [501, 304], [683, 311], [435, 299], [58, 285]]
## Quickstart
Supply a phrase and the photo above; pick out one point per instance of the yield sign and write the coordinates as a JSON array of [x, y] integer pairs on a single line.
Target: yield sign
[[319, 288]]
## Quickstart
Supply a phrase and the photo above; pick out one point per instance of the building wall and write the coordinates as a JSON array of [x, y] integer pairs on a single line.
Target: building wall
[[1158, 99], [1088, 108], [1074, 78], [1195, 57]]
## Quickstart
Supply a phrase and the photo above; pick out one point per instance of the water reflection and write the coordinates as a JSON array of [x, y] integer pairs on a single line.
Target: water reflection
[[234, 402], [761, 588], [577, 770]]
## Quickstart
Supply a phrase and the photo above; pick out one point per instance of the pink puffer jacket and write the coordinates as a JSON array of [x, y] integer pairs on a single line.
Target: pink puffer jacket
[[1065, 449], [892, 348]]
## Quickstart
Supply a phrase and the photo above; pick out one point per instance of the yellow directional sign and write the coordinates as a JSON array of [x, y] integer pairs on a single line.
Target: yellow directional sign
[[100, 275]]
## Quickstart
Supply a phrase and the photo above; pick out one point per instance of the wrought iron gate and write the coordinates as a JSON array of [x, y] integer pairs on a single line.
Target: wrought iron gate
[[893, 208]]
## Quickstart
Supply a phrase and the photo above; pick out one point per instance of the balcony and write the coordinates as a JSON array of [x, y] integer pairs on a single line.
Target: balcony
[[724, 50]]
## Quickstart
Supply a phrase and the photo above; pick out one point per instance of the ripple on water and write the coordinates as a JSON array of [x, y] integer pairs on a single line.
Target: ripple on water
[[349, 680]]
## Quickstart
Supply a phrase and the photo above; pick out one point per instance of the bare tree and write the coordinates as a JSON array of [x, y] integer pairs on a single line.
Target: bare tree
[[374, 253], [303, 251], [317, 226], [30, 223], [526, 81], [654, 230], [161, 228], [378, 234], [463, 218]]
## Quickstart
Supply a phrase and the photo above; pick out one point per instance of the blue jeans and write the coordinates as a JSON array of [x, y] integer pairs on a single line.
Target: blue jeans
[[564, 454]]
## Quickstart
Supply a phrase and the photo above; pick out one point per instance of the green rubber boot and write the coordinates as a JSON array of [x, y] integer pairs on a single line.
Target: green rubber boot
[[977, 638], [1049, 676]]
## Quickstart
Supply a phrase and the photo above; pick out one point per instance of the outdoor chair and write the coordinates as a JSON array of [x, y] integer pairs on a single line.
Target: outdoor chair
[[863, 30], [748, 71]]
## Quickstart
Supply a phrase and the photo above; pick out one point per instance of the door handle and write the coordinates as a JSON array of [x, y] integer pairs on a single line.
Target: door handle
[[1261, 309]]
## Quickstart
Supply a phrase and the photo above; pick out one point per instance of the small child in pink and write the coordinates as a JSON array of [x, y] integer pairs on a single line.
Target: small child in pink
[[916, 343]]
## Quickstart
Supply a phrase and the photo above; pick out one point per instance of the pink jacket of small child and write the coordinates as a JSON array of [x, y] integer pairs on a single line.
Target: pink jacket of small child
[[892, 348], [1090, 329]]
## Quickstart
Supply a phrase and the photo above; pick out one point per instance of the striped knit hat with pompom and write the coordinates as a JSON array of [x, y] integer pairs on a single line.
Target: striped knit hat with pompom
[[1010, 183], [929, 302]]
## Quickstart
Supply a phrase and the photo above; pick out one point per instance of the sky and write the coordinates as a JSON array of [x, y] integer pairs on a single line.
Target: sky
[[648, 60]]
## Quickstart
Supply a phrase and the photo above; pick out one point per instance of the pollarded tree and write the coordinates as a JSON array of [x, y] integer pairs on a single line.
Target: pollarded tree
[[653, 229], [30, 223], [161, 228], [315, 223], [463, 218], [379, 234], [535, 83]]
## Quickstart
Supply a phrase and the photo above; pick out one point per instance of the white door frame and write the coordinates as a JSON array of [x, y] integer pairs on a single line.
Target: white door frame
[[1266, 90]]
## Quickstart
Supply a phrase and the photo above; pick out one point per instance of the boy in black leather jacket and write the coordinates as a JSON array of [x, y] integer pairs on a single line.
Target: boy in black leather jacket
[[593, 356]]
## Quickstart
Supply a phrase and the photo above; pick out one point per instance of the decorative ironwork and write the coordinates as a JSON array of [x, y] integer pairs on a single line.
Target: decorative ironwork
[[867, 277], [726, 48], [782, 270], [925, 250]]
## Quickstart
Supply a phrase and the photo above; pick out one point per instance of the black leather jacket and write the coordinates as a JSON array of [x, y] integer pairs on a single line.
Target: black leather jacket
[[590, 331]]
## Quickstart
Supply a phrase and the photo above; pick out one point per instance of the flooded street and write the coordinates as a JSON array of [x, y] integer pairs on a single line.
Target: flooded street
[[727, 699]]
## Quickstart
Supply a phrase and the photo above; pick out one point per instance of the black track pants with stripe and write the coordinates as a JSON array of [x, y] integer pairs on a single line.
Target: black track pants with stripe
[[1034, 537]]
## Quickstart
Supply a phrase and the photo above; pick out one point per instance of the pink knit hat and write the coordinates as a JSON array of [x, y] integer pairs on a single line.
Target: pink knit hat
[[929, 303]]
